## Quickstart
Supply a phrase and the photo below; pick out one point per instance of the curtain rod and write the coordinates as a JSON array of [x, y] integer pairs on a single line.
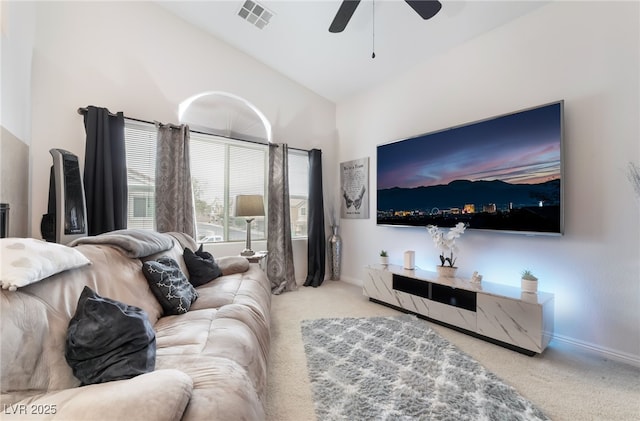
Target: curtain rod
[[83, 111]]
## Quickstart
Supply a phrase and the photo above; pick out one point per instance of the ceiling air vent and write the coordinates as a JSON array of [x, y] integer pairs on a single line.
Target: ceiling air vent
[[255, 14]]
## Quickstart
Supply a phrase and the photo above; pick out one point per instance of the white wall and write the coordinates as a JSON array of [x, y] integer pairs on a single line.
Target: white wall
[[18, 37], [137, 58], [586, 53], [18, 34]]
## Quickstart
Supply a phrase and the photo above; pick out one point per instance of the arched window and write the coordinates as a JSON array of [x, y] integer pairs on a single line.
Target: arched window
[[225, 114]]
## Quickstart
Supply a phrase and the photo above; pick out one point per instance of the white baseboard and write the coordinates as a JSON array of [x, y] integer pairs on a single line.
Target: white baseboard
[[603, 352]]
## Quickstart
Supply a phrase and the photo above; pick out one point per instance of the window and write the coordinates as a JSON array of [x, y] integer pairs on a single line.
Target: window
[[142, 207], [298, 191], [140, 145], [221, 168]]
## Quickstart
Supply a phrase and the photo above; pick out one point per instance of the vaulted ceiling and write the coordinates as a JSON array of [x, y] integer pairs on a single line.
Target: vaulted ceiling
[[297, 43]]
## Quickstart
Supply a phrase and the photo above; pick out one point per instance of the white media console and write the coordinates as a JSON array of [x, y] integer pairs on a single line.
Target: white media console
[[498, 313]]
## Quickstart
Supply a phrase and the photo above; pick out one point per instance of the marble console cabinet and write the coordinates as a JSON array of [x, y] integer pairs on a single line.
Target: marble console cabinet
[[498, 313]]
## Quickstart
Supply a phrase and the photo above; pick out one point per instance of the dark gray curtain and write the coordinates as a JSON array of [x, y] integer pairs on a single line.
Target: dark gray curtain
[[280, 267], [174, 195], [105, 171], [315, 222]]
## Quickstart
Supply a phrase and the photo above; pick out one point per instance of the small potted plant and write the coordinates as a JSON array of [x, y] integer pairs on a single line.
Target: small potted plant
[[384, 258], [529, 283]]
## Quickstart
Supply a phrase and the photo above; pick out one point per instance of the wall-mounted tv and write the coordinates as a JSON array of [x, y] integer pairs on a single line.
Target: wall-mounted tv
[[503, 173]]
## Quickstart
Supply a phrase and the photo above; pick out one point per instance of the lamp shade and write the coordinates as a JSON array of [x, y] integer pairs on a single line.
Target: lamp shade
[[249, 205]]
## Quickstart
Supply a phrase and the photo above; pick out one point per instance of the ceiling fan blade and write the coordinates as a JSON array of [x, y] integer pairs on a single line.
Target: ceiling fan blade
[[344, 15], [425, 8]]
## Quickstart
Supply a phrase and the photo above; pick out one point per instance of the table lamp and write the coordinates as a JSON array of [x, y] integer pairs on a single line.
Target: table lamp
[[249, 206]]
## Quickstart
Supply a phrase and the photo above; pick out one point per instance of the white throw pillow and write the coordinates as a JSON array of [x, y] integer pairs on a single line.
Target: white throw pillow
[[27, 260]]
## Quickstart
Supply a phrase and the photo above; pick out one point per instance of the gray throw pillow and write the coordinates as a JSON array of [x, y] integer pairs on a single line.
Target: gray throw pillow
[[169, 285], [108, 340]]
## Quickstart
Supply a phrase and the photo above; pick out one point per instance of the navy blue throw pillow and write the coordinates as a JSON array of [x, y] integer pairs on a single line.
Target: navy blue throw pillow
[[169, 285]]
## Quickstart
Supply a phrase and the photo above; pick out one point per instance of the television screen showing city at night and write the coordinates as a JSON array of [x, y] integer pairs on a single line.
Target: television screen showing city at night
[[502, 173]]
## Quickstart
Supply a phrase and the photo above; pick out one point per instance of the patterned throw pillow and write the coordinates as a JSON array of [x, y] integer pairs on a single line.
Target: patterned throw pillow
[[201, 265], [169, 285]]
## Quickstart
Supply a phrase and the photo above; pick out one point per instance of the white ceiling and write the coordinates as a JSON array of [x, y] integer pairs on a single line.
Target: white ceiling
[[298, 44]]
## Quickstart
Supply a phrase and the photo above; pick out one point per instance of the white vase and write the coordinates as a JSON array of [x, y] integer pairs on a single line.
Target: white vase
[[447, 271], [528, 297], [529, 286], [384, 260]]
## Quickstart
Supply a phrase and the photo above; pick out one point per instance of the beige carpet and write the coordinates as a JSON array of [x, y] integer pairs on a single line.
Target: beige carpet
[[565, 383]]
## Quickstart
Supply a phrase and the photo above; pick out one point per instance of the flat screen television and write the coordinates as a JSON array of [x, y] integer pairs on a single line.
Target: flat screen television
[[503, 173]]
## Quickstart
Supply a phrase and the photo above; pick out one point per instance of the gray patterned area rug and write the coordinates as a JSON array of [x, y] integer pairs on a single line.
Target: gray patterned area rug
[[397, 368]]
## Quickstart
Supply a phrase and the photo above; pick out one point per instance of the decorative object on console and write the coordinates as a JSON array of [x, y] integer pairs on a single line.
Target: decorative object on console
[[409, 260], [335, 251], [476, 278], [249, 206], [446, 243], [529, 283], [384, 258]]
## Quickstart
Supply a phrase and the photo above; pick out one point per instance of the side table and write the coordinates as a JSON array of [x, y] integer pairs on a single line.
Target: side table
[[260, 257]]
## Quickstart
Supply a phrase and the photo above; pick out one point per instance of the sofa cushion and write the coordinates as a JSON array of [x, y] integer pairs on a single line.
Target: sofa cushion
[[169, 285], [27, 260], [201, 266], [109, 340], [161, 395]]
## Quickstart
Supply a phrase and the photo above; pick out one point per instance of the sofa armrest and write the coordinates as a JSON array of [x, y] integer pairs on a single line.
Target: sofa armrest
[[159, 395]]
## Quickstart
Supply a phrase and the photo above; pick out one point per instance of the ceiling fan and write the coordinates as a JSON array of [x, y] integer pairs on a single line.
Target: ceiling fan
[[425, 8]]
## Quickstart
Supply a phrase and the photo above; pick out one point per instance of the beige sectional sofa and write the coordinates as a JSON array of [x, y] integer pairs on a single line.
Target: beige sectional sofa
[[211, 362]]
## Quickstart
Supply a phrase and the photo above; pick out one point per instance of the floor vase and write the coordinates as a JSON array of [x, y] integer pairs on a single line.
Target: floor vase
[[335, 251]]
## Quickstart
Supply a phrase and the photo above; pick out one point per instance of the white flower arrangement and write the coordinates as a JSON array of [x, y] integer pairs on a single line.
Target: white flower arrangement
[[446, 242]]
